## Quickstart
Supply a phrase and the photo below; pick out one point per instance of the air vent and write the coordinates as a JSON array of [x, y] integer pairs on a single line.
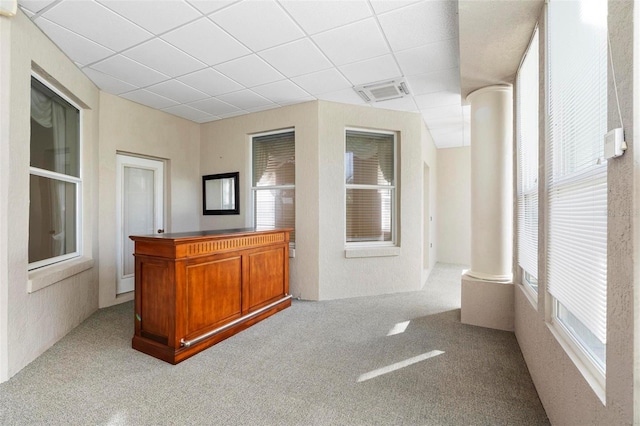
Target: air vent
[[382, 90]]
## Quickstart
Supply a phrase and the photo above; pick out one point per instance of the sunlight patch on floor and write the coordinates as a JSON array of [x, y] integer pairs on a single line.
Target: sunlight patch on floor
[[398, 365], [398, 328]]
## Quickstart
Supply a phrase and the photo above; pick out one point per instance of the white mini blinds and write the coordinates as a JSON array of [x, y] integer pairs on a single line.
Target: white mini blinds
[[527, 125], [273, 181], [370, 187], [577, 170]]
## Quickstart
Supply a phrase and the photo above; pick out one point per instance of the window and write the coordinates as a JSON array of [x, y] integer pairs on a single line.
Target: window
[[274, 179], [577, 176], [527, 140], [54, 208], [370, 182]]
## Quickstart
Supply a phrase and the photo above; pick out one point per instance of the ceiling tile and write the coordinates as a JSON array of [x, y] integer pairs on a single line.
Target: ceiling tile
[[149, 99], [163, 57], [207, 120], [343, 47], [322, 82], [449, 122], [446, 80], [29, 13], [401, 104], [180, 92], [187, 112], [382, 6], [346, 96], [437, 99], [371, 70], [317, 16], [298, 100], [108, 83], [281, 91], [428, 58], [441, 112], [210, 82], [208, 6], [429, 22], [35, 5], [250, 71], [97, 23], [296, 58], [78, 48], [258, 24], [264, 108], [448, 138], [213, 106], [129, 71], [205, 41], [245, 99], [154, 16], [233, 114]]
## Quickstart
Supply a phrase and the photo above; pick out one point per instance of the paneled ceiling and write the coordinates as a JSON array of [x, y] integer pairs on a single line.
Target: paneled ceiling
[[206, 60]]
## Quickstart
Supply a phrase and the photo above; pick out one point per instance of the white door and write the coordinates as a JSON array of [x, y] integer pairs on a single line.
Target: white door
[[140, 210]]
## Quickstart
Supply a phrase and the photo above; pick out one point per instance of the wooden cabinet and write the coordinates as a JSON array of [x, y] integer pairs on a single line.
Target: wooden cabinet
[[195, 289]]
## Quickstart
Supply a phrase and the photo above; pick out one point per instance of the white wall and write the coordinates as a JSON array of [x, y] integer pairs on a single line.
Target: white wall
[[454, 205], [132, 128], [39, 319]]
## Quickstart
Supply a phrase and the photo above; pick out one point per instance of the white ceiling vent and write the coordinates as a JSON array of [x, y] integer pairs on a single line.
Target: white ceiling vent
[[383, 90]]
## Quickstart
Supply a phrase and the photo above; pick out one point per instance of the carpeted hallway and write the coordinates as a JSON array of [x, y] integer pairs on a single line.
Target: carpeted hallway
[[317, 363]]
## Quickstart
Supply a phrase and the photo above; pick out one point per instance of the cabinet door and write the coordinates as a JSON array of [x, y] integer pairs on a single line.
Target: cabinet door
[[213, 294], [266, 277]]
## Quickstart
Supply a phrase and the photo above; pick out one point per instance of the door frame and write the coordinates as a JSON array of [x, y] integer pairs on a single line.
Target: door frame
[[144, 162]]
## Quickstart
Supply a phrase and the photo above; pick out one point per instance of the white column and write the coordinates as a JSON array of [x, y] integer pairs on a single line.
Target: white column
[[487, 293]]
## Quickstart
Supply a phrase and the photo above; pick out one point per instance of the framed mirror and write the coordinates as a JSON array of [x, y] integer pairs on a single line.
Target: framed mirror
[[221, 194]]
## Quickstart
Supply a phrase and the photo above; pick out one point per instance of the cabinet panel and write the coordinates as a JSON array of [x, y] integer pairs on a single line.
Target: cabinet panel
[[213, 293], [155, 299], [266, 277]]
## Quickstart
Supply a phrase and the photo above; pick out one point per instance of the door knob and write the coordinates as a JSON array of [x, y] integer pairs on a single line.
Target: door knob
[[160, 231]]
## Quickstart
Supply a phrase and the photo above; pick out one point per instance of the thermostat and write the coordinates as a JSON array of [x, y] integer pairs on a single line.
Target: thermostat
[[614, 144]]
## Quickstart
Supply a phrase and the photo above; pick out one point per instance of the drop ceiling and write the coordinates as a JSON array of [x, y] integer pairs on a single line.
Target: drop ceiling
[[206, 60]]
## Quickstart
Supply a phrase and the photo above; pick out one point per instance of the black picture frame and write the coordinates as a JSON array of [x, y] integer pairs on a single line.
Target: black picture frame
[[221, 194]]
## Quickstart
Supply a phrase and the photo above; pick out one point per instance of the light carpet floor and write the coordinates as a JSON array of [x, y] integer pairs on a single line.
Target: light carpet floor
[[316, 363]]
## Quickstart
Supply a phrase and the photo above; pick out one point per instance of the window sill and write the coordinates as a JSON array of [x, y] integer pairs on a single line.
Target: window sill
[[44, 277], [595, 379], [355, 252]]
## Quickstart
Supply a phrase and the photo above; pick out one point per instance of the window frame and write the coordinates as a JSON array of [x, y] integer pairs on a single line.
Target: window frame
[[530, 288], [77, 181], [292, 244], [393, 188], [570, 343]]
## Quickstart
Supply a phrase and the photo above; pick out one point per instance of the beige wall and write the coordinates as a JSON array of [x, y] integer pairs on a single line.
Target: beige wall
[[226, 148], [564, 392], [342, 277], [127, 127], [40, 318], [320, 269], [454, 205]]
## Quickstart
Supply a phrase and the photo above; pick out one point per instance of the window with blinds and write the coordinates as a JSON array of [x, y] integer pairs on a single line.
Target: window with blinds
[[273, 181], [369, 164], [577, 173], [527, 146]]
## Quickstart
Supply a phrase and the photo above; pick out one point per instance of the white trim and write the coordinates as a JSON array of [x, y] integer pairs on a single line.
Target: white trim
[[78, 181], [591, 373], [41, 278]]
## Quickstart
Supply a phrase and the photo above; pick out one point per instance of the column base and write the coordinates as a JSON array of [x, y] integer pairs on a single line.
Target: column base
[[487, 303]]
